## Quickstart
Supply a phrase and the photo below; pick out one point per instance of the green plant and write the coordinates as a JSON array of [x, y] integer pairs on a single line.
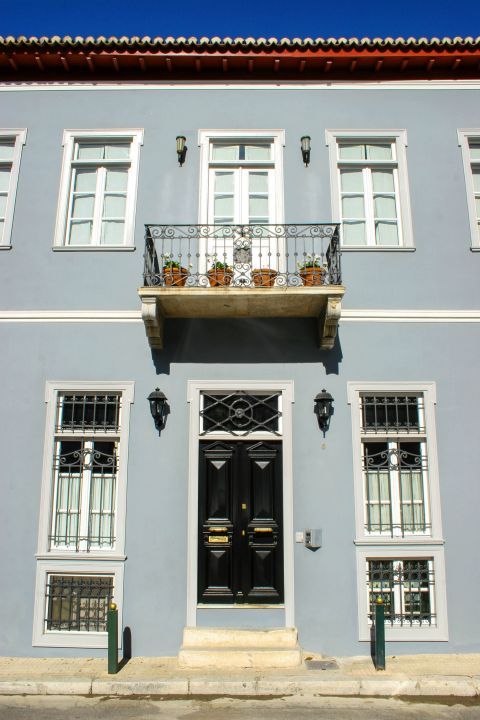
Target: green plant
[[311, 261], [171, 264], [217, 265]]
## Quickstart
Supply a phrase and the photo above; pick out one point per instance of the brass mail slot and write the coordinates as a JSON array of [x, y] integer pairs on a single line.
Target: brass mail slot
[[263, 530], [218, 538], [218, 529]]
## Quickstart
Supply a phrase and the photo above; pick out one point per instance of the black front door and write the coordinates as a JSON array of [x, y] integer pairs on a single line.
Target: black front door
[[240, 542]]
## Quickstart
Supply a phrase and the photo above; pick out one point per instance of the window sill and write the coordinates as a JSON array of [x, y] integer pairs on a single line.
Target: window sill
[[73, 640], [378, 541], [475, 249], [9, 247], [375, 248], [432, 634], [72, 555], [93, 248]]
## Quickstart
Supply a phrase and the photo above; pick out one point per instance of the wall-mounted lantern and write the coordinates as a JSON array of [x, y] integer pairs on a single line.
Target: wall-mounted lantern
[[159, 408], [323, 409], [305, 143], [181, 149]]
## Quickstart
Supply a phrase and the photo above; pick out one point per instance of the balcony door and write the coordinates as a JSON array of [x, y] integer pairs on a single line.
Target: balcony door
[[243, 189]]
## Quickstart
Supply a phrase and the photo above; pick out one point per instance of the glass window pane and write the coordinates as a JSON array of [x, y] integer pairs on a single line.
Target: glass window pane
[[83, 206], [112, 233], [80, 233], [117, 150], [3, 205], [347, 151], [223, 205], [85, 180], [258, 205], [353, 207], [475, 151], [384, 483], [379, 152], [224, 181], [258, 182], [258, 153], [351, 180], [7, 148], [4, 178], [224, 153], [90, 151], [219, 220], [353, 233], [386, 233], [2, 226], [116, 179], [477, 205], [385, 207], [383, 181], [114, 206], [476, 180]]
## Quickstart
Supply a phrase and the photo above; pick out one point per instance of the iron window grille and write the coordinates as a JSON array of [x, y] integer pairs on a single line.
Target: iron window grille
[[407, 588], [85, 471], [394, 464], [78, 603], [240, 413]]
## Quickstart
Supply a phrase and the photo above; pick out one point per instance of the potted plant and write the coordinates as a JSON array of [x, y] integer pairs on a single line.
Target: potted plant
[[264, 277], [312, 271], [173, 273], [220, 274]]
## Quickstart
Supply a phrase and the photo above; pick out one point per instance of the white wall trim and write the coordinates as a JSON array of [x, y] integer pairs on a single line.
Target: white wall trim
[[463, 137], [19, 136], [133, 316], [439, 633], [194, 388], [147, 85], [398, 136], [135, 136], [43, 638]]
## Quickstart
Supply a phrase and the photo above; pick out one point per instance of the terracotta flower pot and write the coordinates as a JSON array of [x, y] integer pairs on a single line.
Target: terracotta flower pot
[[220, 278], [264, 277], [174, 276], [313, 275]]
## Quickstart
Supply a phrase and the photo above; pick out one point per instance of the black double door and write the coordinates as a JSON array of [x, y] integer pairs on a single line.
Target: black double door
[[240, 543]]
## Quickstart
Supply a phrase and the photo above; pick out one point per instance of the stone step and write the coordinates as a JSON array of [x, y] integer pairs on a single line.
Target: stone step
[[215, 638], [230, 657]]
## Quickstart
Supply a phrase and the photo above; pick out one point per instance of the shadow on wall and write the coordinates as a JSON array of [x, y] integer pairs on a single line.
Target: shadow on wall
[[259, 340]]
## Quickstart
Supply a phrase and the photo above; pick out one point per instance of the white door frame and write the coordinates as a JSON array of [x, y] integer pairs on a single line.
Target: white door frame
[[195, 387]]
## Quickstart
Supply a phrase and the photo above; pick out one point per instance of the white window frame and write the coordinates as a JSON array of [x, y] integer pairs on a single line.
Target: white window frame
[[398, 138], [72, 638], [205, 140], [464, 137], [134, 136], [19, 137], [434, 633]]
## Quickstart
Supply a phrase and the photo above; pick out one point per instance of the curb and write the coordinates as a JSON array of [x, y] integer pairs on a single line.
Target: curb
[[432, 686]]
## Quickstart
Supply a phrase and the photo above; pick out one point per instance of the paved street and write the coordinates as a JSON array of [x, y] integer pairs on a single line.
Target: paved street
[[311, 708]]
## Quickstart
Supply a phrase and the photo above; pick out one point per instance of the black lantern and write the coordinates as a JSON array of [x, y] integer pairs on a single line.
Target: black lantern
[[158, 408], [323, 409], [181, 149], [305, 143]]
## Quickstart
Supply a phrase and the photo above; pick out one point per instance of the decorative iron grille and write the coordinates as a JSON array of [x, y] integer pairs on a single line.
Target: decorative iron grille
[[285, 251], [88, 412], [392, 413], [406, 587], [78, 603], [240, 413]]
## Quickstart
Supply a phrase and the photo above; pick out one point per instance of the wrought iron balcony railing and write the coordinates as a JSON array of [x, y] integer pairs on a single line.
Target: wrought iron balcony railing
[[242, 256]]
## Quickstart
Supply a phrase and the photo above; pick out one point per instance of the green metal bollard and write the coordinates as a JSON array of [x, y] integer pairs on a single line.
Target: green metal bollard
[[112, 630], [380, 635]]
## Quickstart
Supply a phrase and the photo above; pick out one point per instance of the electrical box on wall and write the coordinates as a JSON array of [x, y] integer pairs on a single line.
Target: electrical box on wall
[[313, 539]]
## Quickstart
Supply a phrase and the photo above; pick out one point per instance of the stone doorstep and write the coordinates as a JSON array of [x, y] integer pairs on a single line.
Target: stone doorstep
[[240, 657], [209, 638]]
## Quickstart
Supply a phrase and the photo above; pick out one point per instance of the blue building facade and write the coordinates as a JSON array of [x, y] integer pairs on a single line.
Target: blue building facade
[[124, 271]]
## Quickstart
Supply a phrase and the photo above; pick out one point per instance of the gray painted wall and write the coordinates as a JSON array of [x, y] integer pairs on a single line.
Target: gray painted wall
[[441, 273]]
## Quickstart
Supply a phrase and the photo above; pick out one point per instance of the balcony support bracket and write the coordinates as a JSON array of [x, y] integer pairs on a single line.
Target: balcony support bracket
[[328, 323], [154, 321]]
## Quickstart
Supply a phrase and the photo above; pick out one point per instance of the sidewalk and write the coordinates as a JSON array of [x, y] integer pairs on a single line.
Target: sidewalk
[[413, 675]]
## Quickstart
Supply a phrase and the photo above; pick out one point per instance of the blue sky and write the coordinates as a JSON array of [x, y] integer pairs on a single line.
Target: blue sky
[[309, 18]]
